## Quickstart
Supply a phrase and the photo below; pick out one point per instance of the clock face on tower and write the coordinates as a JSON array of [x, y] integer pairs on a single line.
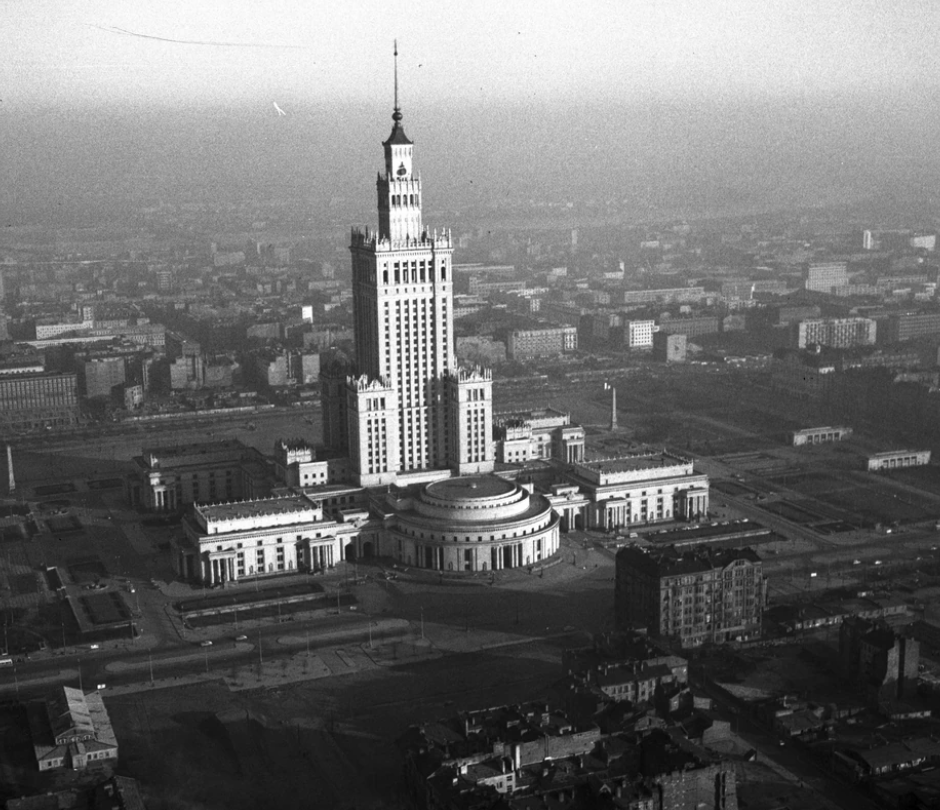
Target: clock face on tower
[[402, 171]]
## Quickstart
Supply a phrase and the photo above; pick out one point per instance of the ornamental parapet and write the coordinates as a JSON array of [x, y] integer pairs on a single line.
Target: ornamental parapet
[[468, 374], [365, 383], [369, 239]]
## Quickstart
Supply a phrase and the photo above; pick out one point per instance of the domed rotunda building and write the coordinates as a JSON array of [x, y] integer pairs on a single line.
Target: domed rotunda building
[[470, 523]]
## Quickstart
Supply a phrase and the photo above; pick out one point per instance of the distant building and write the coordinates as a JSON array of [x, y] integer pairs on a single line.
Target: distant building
[[326, 338], [819, 435], [675, 295], [625, 667], [219, 371], [882, 659], [640, 490], [639, 334], [169, 477], [71, 731], [271, 369], [478, 349], [807, 375], [99, 375], [523, 436], [823, 276], [296, 464], [697, 596], [735, 290], [485, 287], [528, 344], [596, 330], [926, 241], [186, 366], [265, 331], [669, 348], [896, 459], [534, 755], [31, 400], [903, 326], [839, 333], [690, 326]]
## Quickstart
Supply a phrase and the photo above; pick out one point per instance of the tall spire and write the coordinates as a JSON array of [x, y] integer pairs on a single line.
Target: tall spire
[[398, 131], [396, 115]]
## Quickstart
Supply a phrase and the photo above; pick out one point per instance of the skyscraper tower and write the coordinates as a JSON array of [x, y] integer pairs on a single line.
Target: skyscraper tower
[[408, 407]]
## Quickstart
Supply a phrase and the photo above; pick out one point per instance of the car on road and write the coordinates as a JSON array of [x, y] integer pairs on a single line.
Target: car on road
[[206, 643], [241, 637], [94, 646]]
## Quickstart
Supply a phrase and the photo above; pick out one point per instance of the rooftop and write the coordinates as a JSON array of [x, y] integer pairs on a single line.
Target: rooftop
[[470, 488], [630, 463], [262, 506], [671, 561]]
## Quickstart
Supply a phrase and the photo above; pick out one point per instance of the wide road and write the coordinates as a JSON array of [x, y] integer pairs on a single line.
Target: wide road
[[124, 667]]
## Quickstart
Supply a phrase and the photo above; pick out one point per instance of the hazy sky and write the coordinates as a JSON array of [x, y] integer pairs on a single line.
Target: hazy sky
[[710, 103], [293, 51]]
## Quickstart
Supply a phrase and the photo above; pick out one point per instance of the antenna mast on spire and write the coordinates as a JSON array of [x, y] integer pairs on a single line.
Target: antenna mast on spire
[[397, 108]]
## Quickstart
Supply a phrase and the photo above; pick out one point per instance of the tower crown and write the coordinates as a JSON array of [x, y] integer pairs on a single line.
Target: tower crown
[[398, 147], [399, 191]]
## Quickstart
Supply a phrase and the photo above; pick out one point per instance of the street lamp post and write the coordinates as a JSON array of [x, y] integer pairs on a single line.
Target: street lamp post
[[150, 661], [422, 624]]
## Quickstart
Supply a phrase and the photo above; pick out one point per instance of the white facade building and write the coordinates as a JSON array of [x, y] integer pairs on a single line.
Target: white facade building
[[640, 334], [471, 523], [640, 490], [895, 459], [227, 542]]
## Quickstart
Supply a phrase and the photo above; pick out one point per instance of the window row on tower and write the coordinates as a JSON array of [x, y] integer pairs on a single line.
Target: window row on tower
[[405, 199], [414, 272]]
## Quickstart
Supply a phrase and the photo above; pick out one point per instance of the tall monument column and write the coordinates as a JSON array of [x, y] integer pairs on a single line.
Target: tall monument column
[[11, 481]]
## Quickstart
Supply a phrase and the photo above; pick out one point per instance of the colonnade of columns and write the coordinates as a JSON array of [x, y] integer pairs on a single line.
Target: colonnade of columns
[[696, 504], [164, 499], [320, 557], [495, 558], [217, 570]]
